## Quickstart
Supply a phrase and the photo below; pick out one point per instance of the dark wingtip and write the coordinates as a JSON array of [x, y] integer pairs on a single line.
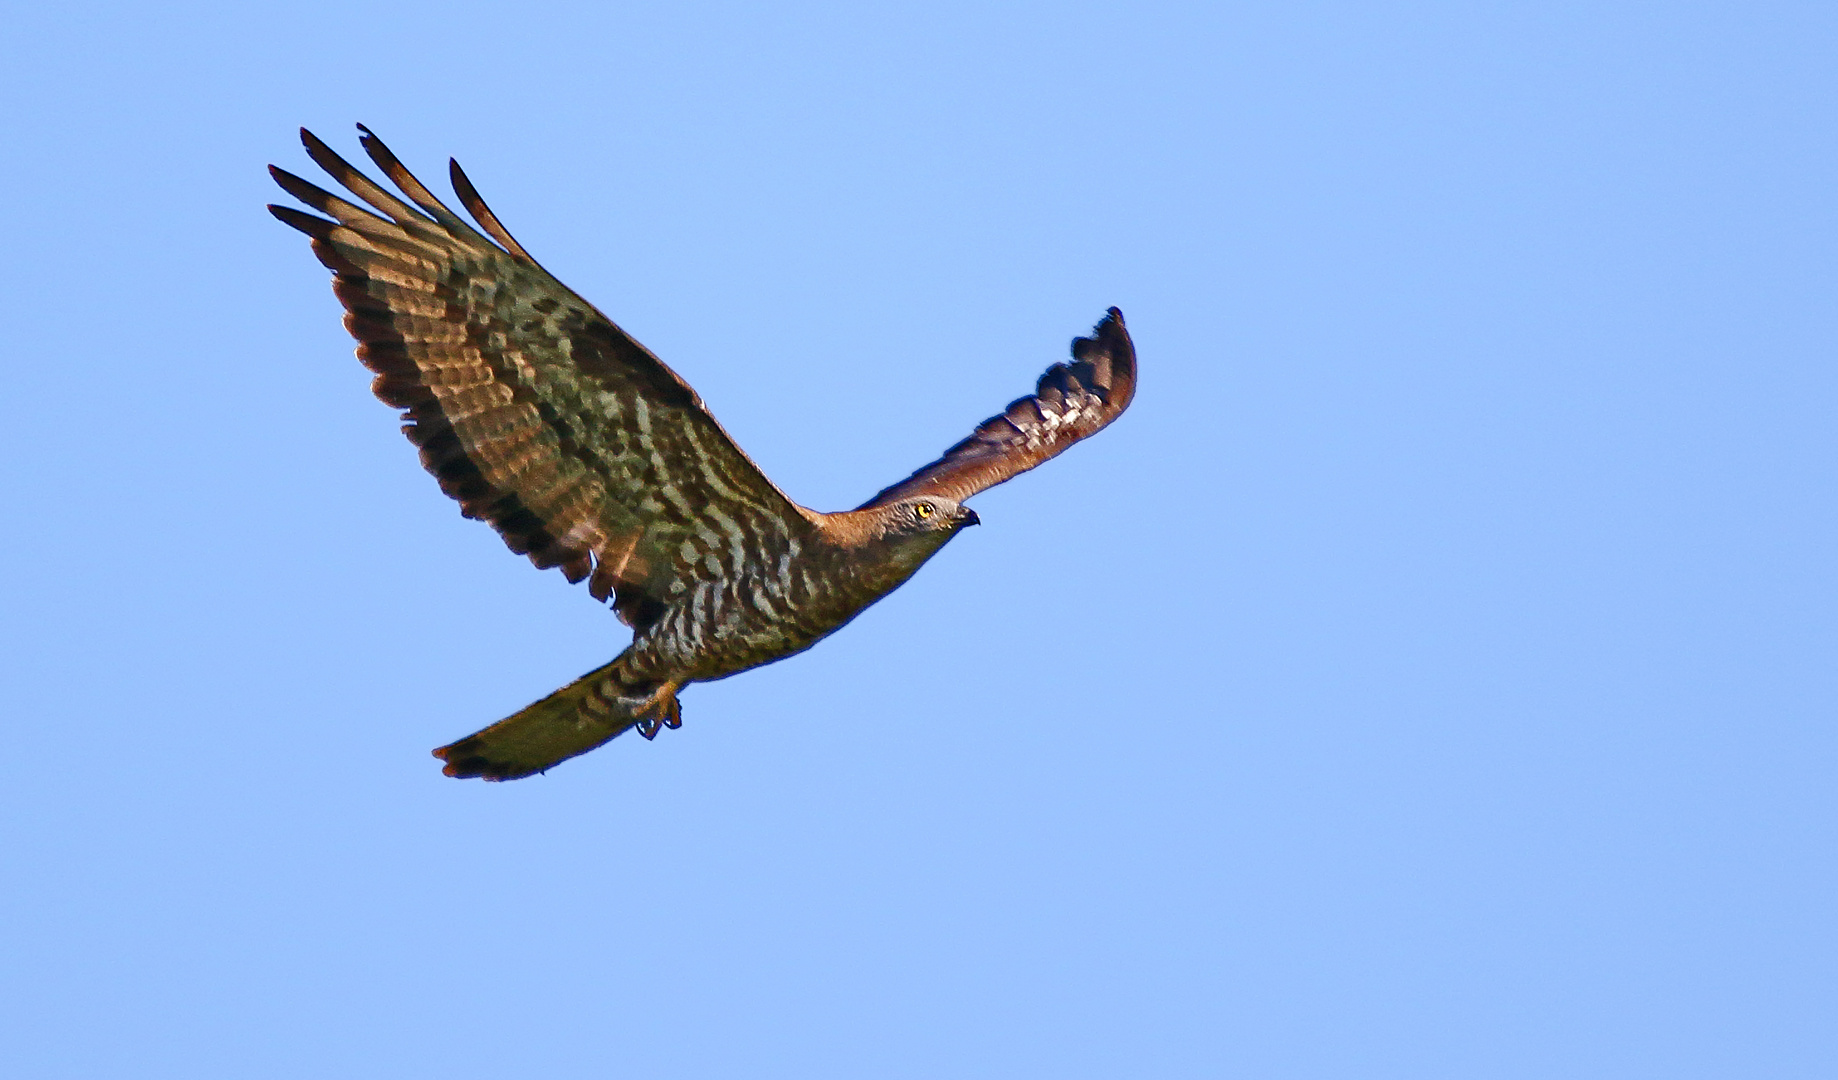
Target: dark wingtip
[[317, 149], [315, 227], [463, 185], [307, 192], [1109, 336], [1112, 352]]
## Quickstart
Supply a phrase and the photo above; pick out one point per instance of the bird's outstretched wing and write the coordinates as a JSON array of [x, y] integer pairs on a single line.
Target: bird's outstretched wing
[[1072, 402], [533, 409]]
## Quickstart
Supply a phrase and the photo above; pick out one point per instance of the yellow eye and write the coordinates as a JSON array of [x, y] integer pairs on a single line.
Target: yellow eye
[[923, 510]]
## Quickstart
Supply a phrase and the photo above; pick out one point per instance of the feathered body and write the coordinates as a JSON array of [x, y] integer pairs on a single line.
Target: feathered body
[[588, 454]]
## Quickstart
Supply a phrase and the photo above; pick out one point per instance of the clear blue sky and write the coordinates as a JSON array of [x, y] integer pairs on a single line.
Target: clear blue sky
[[1431, 676]]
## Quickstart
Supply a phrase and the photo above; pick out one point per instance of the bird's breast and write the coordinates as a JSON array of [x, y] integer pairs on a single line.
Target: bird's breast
[[722, 627]]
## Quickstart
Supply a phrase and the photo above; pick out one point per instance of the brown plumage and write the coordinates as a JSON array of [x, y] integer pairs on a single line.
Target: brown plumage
[[586, 453]]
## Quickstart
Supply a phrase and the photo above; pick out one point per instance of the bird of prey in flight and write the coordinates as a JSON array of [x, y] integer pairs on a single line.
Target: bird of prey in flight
[[585, 453]]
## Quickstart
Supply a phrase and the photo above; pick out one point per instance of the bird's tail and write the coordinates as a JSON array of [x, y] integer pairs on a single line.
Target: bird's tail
[[580, 716]]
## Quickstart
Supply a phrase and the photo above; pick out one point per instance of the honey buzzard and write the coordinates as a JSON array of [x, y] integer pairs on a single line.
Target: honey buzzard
[[586, 453]]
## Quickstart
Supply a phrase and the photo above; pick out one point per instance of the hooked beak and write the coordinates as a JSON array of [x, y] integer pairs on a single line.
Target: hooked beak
[[969, 519]]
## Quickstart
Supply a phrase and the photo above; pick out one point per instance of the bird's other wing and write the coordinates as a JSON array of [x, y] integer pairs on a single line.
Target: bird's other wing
[[530, 407], [1073, 401]]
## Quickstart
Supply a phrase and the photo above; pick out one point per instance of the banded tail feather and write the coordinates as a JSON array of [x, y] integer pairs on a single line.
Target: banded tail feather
[[587, 713]]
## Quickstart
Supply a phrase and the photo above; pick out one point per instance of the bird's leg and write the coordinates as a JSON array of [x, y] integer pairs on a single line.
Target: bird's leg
[[658, 711]]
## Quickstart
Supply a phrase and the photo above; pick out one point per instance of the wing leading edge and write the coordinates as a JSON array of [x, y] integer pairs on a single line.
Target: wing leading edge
[[1072, 402]]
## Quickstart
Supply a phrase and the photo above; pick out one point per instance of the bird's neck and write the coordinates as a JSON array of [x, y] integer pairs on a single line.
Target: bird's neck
[[876, 561]]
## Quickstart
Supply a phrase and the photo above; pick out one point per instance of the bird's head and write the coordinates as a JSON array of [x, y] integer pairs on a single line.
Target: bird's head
[[931, 515], [914, 529]]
